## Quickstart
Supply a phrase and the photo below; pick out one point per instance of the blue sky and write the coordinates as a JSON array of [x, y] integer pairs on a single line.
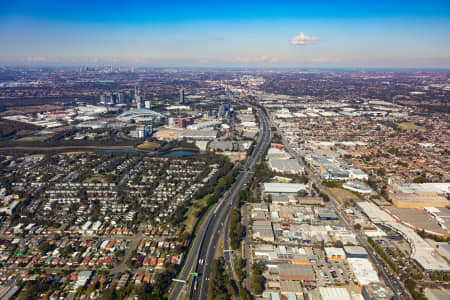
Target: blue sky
[[235, 33]]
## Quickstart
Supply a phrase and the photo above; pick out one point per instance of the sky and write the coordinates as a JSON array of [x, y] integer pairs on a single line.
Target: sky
[[326, 34]]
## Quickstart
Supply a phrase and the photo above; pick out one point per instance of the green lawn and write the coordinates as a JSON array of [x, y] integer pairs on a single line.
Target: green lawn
[[33, 139], [191, 214]]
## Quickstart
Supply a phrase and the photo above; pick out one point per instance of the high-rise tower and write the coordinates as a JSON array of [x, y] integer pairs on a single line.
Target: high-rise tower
[[181, 96]]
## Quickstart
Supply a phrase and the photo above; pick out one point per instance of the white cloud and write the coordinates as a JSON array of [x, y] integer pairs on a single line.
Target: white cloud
[[302, 39]]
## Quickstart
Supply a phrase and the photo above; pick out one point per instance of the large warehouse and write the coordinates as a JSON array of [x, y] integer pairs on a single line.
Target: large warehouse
[[332, 293], [280, 187], [202, 135], [420, 195], [296, 272], [290, 166]]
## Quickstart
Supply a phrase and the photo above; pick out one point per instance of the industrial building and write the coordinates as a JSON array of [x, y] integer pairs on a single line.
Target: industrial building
[[374, 213], [357, 186], [420, 195], [204, 125], [289, 166], [331, 168], [376, 291], [277, 152], [363, 270], [325, 213], [199, 134], [334, 253], [263, 230], [331, 293], [355, 252], [283, 188], [222, 146], [297, 272]]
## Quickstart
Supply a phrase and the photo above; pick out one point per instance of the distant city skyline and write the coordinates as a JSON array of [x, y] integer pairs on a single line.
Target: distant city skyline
[[331, 34]]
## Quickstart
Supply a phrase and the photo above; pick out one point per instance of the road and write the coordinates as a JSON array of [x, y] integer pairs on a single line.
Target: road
[[207, 238], [390, 278]]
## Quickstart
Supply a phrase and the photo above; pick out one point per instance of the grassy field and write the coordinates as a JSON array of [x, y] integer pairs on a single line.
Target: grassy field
[[33, 139], [191, 214], [148, 146], [410, 126], [341, 195]]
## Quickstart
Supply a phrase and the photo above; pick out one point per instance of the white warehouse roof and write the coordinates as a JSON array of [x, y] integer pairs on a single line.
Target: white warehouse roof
[[330, 293], [363, 270], [276, 187], [285, 165], [428, 187], [374, 213]]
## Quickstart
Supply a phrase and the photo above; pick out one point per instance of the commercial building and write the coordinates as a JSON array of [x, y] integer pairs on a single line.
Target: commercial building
[[181, 97], [420, 195], [417, 201], [423, 253], [142, 132]]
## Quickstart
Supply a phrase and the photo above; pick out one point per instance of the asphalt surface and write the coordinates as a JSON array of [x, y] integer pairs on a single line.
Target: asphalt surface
[[207, 239]]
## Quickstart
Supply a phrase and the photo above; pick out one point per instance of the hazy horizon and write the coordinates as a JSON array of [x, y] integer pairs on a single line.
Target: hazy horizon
[[288, 34]]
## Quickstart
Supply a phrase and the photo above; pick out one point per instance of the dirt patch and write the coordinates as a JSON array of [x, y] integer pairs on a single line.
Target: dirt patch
[[148, 146], [96, 179], [342, 195], [33, 109], [410, 126]]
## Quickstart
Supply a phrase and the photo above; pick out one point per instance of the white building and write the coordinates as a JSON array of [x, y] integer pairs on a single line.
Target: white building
[[279, 187]]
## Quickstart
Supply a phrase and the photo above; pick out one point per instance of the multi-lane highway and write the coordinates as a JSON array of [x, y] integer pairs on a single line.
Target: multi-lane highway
[[202, 252]]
